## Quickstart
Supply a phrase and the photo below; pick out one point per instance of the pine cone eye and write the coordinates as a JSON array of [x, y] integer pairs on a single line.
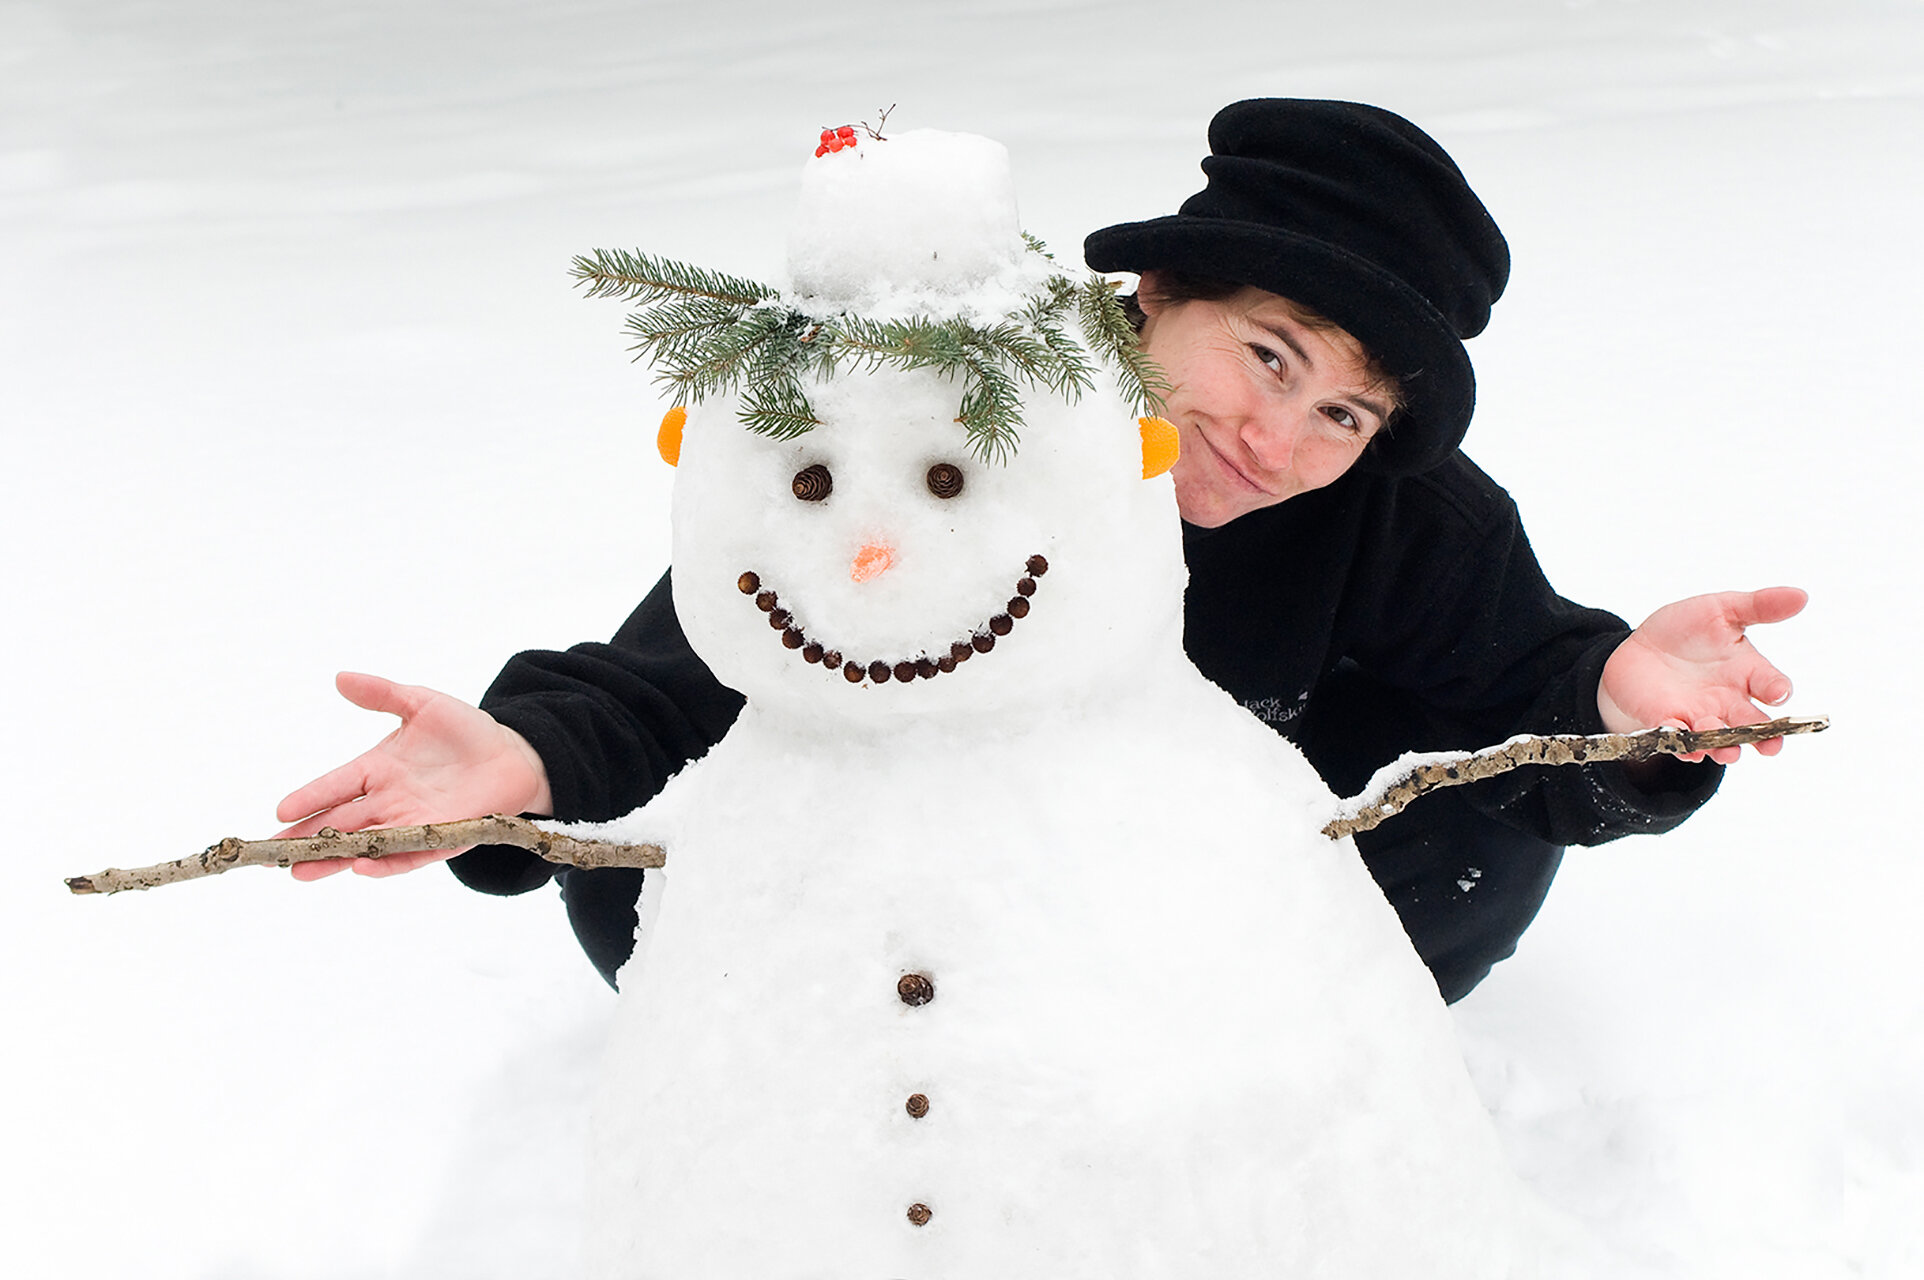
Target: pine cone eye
[[945, 480], [811, 484]]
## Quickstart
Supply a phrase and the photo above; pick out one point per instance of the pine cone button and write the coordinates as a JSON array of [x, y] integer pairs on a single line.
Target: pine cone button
[[749, 584], [812, 484], [918, 1105], [920, 1214], [915, 989], [945, 479]]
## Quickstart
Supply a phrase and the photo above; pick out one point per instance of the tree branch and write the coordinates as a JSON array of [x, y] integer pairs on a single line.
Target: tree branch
[[497, 829], [1400, 782]]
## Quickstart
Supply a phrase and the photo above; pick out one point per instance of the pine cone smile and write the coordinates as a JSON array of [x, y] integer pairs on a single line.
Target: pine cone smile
[[880, 671]]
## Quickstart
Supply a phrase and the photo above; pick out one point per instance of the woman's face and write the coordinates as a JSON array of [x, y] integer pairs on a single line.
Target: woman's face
[[1265, 406]]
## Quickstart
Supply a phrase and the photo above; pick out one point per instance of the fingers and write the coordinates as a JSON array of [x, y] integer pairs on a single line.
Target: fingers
[[332, 789], [352, 780], [395, 864], [1772, 604], [1763, 681], [1768, 685], [348, 816], [373, 693], [1735, 715], [308, 872]]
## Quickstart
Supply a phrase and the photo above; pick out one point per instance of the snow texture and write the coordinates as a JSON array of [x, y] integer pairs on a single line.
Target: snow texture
[[878, 230], [294, 381]]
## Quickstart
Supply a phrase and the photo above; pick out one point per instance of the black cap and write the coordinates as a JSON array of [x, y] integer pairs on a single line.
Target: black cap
[[1357, 213]]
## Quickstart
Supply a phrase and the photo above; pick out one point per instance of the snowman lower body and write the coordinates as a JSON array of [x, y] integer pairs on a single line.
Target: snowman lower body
[[1093, 1002]]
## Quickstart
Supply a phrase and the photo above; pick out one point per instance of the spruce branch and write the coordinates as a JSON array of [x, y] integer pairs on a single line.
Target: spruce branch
[[677, 329], [708, 333], [904, 344], [1030, 355], [633, 276], [1106, 327], [1394, 787], [777, 406], [1036, 246], [232, 852], [990, 411], [716, 362]]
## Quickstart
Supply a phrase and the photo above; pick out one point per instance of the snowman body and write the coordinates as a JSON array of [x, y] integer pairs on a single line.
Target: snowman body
[[1034, 965]]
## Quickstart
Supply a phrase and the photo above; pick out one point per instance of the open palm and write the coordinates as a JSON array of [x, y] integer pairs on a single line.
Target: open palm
[[1690, 665], [448, 760]]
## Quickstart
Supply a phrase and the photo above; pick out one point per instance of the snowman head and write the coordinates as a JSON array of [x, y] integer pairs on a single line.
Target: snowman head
[[904, 489], [875, 567]]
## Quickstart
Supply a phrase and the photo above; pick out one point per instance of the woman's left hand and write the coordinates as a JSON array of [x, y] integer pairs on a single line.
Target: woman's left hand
[[1690, 666]]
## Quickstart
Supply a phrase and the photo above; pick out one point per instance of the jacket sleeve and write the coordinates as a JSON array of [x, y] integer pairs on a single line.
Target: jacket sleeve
[[1494, 651], [611, 722]]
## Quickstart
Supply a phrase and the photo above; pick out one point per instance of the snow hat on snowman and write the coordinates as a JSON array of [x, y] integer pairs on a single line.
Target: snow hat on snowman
[[906, 252], [919, 431], [1357, 213]]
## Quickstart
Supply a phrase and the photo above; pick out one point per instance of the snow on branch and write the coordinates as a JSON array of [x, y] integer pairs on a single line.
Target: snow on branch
[[1401, 781], [1391, 791], [497, 829]]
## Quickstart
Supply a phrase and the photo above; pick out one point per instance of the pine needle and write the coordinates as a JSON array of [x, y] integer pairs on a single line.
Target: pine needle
[[643, 278]]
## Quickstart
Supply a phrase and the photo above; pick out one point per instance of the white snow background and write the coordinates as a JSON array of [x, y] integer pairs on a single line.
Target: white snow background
[[292, 379]]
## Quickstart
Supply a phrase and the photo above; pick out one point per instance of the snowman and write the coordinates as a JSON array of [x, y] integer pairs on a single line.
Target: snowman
[[995, 942]]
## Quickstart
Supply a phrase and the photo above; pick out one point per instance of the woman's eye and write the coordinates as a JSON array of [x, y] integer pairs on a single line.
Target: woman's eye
[[945, 479], [811, 484], [1343, 418], [1271, 358]]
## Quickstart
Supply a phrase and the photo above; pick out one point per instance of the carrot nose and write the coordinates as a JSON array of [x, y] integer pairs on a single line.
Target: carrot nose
[[872, 561]]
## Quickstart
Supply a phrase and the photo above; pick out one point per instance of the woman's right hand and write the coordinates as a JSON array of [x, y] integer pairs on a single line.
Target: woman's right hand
[[447, 761]]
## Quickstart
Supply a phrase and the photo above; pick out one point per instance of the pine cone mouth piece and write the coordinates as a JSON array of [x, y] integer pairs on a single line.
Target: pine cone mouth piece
[[923, 666]]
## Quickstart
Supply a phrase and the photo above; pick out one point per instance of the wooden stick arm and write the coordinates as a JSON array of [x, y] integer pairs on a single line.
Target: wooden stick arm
[[1389, 793], [1396, 785], [498, 828]]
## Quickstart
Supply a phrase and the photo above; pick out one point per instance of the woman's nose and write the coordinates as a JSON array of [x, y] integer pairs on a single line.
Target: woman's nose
[[1272, 440]]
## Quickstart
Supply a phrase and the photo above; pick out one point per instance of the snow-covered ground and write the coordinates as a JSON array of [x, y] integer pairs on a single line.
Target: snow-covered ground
[[292, 379]]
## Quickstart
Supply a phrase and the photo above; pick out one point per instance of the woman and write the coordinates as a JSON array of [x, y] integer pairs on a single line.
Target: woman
[[1354, 580]]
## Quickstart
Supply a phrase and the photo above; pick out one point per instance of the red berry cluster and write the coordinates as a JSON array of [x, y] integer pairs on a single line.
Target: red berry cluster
[[836, 139]]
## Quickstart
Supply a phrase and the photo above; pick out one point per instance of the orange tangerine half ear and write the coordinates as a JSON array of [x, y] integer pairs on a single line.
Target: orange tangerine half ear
[[668, 440], [1159, 446]]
